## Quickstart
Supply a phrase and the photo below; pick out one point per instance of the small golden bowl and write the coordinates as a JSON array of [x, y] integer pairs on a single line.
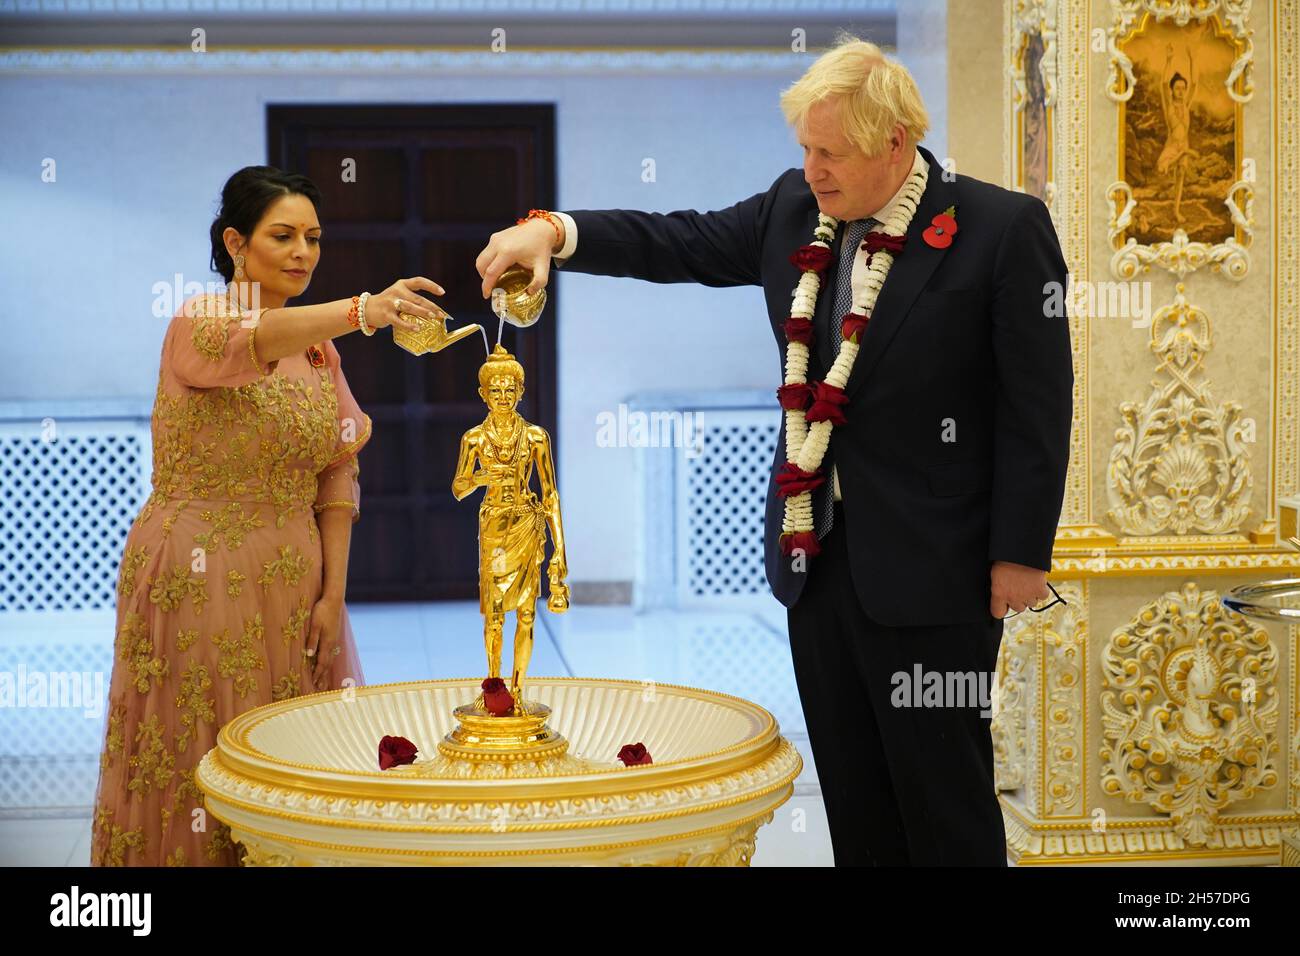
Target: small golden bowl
[[522, 309]]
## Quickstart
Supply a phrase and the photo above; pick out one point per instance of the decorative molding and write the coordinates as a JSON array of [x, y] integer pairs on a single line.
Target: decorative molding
[[1065, 66], [1010, 725], [441, 62], [1179, 255], [500, 9], [1232, 554], [1190, 709], [1254, 841], [1126, 12], [1284, 475], [1064, 656], [1040, 723], [1180, 462], [1032, 18], [726, 845]]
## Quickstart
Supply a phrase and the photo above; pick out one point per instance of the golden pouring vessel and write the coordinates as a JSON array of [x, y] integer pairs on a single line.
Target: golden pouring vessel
[[510, 302]]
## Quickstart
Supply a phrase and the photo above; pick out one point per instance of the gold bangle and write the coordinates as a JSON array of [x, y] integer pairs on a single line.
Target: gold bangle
[[252, 337], [356, 512]]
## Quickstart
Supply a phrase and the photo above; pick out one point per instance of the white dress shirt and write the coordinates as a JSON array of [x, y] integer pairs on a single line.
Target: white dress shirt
[[859, 262]]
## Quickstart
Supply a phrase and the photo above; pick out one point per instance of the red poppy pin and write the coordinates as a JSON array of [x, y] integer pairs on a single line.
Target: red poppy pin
[[942, 228], [317, 355]]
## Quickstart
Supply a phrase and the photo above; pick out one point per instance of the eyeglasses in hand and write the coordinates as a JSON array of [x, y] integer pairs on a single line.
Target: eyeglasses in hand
[[1037, 610]]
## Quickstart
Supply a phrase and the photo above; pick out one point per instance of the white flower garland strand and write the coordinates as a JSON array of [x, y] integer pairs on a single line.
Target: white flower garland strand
[[806, 445]]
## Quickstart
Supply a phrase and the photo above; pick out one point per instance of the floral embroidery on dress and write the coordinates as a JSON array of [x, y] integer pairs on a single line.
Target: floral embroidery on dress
[[152, 762], [113, 841], [238, 656], [230, 523], [287, 686], [193, 703], [133, 559], [174, 586], [115, 739], [292, 564], [136, 650], [186, 789], [293, 628], [185, 467], [210, 329]]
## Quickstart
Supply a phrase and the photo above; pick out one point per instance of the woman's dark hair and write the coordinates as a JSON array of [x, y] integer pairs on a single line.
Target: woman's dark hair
[[244, 201], [1175, 78]]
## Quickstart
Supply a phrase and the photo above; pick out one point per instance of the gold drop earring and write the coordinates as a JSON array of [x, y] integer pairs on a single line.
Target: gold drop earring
[[239, 267]]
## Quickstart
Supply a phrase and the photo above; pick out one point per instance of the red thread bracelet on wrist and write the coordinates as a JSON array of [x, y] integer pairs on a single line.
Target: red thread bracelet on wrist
[[549, 217]]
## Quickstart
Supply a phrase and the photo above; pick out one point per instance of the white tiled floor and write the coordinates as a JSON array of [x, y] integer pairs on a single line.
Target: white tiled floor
[[742, 652]]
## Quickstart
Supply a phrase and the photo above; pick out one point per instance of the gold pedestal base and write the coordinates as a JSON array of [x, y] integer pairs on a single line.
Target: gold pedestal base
[[512, 745], [485, 737]]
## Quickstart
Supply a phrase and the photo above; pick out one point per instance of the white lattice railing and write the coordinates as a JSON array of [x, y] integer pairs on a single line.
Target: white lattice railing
[[72, 479], [700, 540]]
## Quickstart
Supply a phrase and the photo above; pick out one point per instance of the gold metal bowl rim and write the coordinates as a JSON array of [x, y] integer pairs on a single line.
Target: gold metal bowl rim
[[240, 758]]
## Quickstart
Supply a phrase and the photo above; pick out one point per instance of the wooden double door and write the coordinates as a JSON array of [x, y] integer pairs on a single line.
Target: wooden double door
[[418, 190]]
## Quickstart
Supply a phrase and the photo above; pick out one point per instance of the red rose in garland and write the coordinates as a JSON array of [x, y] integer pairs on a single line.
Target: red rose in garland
[[811, 257], [812, 410]]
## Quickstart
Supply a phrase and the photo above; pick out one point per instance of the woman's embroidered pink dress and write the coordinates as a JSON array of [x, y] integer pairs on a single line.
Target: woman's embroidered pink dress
[[219, 574]]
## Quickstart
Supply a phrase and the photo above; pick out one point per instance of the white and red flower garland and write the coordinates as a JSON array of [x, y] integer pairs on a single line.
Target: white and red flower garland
[[813, 409]]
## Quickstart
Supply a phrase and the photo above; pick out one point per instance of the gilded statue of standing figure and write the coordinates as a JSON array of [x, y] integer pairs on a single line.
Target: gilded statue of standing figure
[[512, 521]]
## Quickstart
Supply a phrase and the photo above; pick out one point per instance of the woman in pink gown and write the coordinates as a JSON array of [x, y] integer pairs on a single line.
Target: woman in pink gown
[[231, 586]]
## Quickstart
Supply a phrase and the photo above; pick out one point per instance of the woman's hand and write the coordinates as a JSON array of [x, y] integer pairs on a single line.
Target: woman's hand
[[322, 636], [382, 307]]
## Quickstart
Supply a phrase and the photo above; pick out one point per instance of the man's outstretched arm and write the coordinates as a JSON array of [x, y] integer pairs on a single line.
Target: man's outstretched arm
[[718, 248]]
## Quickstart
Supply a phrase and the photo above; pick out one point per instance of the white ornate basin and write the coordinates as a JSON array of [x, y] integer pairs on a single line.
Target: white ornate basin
[[298, 781]]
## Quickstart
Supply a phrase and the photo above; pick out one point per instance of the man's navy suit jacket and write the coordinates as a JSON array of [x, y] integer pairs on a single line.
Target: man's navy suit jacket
[[959, 411]]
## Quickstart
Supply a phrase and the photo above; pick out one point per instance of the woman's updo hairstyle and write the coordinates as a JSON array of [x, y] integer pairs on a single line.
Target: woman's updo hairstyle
[[244, 201]]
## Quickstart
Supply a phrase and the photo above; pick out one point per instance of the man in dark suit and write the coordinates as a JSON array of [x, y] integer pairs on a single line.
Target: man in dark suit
[[944, 485]]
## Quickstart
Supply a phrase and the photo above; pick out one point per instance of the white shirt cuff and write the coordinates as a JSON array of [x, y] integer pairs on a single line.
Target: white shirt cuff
[[570, 238]]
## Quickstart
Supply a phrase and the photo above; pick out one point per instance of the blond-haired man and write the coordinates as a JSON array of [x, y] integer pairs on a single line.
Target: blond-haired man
[[935, 504]]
